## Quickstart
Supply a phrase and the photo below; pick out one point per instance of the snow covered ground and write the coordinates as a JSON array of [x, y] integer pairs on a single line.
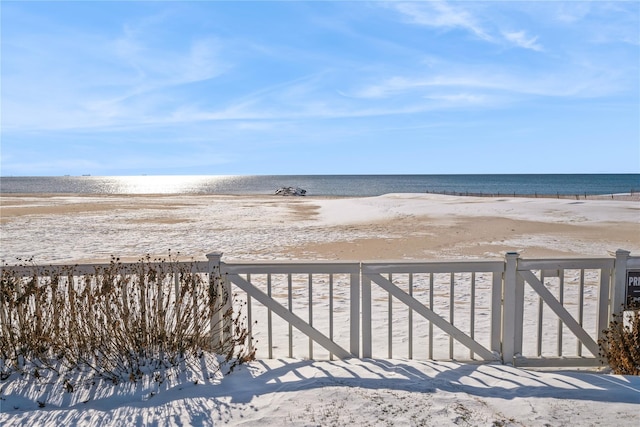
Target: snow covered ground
[[68, 228], [294, 392], [300, 392]]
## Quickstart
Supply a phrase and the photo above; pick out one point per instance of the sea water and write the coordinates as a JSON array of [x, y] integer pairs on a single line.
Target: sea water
[[329, 185]]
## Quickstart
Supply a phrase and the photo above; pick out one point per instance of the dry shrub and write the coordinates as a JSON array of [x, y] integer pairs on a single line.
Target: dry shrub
[[620, 344], [122, 321]]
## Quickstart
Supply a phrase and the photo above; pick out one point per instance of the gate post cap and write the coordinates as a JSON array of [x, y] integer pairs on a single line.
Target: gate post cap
[[214, 256]]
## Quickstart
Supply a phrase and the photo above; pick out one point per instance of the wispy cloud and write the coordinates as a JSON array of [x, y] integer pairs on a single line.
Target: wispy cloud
[[93, 80], [160, 66], [459, 98], [570, 12], [447, 16], [486, 83], [521, 39], [438, 14]]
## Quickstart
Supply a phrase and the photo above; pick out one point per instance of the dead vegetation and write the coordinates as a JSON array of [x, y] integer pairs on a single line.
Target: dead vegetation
[[121, 322], [620, 344]]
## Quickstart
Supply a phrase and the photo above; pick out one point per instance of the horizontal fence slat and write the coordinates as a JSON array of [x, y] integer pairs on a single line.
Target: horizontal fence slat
[[565, 264], [433, 267], [319, 267], [128, 267], [633, 262]]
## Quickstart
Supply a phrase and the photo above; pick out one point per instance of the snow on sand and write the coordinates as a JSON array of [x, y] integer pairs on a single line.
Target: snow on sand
[[339, 393], [301, 392], [396, 226]]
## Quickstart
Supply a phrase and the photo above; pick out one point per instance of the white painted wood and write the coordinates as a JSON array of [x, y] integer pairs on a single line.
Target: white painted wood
[[509, 308], [310, 282], [290, 307], [580, 311], [430, 322], [176, 287], [619, 276], [228, 307], [87, 269], [519, 315], [561, 302], [392, 267], [291, 267], [354, 292], [290, 317], [507, 298], [496, 312], [452, 303], [217, 321], [565, 264], [269, 318], [330, 312], [633, 262], [543, 275], [604, 305], [410, 349], [390, 323], [366, 317], [249, 314], [560, 311], [472, 316], [419, 308]]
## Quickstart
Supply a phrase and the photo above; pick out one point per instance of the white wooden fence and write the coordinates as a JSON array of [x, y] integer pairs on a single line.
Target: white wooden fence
[[547, 312]]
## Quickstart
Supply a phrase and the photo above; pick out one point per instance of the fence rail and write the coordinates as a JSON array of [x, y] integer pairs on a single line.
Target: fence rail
[[516, 311]]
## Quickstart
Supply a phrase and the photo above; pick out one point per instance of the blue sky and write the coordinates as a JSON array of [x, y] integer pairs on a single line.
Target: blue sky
[[292, 87]]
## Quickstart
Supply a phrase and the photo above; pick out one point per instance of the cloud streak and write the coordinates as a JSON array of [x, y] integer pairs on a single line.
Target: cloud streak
[[439, 14], [447, 16], [521, 39], [218, 81], [70, 88]]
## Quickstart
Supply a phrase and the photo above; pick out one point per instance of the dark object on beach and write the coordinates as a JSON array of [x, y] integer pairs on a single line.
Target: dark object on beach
[[291, 191]]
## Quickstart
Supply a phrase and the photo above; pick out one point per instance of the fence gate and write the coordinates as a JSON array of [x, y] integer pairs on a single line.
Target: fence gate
[[564, 302], [415, 285], [258, 281]]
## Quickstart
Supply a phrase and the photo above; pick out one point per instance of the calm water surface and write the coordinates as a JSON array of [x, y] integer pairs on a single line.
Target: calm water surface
[[327, 185]]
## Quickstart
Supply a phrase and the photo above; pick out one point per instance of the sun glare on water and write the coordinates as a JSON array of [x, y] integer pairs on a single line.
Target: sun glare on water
[[158, 184]]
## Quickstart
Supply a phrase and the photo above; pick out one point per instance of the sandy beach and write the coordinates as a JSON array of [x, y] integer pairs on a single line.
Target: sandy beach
[[379, 391], [72, 228]]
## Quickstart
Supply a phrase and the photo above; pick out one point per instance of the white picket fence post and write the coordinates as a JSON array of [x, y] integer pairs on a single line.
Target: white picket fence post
[[509, 303], [618, 289], [220, 326]]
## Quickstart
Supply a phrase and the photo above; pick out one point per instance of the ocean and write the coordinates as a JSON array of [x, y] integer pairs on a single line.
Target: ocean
[[329, 185]]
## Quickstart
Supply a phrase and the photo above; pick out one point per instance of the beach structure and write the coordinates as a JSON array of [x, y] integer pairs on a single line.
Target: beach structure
[[443, 310], [290, 191]]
